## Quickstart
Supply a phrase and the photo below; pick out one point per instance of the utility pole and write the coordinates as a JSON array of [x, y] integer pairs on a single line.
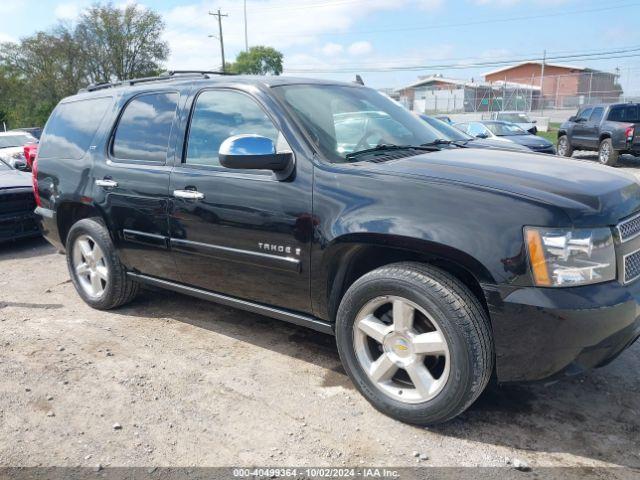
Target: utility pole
[[246, 36], [220, 15], [544, 59]]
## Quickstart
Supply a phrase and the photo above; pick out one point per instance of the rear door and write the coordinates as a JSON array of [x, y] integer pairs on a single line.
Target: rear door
[[244, 233], [132, 183]]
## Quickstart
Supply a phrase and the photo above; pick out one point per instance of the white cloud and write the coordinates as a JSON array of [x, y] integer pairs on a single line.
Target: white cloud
[[66, 11], [360, 48], [332, 49], [303, 24]]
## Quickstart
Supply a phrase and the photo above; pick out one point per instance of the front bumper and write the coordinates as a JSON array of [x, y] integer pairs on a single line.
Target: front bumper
[[542, 333], [48, 224], [18, 225]]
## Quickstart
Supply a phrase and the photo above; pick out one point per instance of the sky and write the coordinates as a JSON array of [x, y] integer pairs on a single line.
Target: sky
[[318, 37]]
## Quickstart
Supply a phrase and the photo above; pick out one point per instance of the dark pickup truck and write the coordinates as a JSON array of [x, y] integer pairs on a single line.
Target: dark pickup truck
[[326, 204], [611, 130]]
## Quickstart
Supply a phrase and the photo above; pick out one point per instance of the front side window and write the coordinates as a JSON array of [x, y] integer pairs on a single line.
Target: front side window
[[145, 127], [218, 115], [585, 114], [71, 128], [341, 120], [596, 116]]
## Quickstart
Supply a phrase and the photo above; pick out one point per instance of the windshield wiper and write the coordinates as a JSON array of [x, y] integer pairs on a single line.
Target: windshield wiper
[[390, 147], [442, 141]]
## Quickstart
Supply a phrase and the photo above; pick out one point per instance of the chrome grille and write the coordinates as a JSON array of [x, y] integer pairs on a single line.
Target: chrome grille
[[631, 266], [629, 228]]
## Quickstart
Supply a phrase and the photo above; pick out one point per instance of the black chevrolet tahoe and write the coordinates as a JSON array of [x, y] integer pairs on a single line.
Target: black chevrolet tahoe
[[436, 267], [611, 130]]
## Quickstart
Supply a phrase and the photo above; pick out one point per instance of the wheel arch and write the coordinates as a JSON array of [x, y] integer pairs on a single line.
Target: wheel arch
[[604, 135], [562, 132], [70, 212], [354, 255]]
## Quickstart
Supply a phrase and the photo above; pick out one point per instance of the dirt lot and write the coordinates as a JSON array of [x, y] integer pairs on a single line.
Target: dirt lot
[[174, 381]]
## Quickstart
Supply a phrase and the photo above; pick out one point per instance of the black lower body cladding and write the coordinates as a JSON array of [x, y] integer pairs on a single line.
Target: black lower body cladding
[[542, 333]]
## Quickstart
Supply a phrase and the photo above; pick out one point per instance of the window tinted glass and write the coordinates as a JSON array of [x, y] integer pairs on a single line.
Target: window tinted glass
[[71, 128], [477, 129], [218, 115], [631, 114], [615, 115], [16, 140], [585, 114], [144, 128], [596, 116]]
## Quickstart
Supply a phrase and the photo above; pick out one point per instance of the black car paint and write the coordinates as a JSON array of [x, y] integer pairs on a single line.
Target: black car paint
[[17, 203], [463, 209]]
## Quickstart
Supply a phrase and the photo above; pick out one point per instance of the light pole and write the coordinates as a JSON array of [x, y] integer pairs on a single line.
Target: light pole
[[246, 36], [220, 15]]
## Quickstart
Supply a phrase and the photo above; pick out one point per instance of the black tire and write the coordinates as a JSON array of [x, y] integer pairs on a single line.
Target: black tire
[[607, 155], [120, 289], [564, 147], [461, 318]]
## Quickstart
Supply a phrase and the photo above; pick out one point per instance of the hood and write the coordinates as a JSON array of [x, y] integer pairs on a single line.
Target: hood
[[590, 194], [496, 143], [531, 141], [14, 179]]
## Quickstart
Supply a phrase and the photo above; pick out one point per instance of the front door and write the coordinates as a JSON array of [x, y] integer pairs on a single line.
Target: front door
[[592, 128], [243, 233], [133, 183], [579, 138]]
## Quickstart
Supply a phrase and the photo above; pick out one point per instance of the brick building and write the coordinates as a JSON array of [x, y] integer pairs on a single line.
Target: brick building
[[564, 85]]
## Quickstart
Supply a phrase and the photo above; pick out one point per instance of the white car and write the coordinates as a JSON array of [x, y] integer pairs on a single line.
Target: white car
[[519, 118], [11, 146]]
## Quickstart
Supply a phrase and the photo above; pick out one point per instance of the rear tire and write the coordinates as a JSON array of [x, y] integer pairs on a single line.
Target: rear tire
[[390, 368], [607, 155], [96, 272], [564, 148]]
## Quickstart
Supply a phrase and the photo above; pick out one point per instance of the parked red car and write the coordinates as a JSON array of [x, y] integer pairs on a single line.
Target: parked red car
[[30, 152]]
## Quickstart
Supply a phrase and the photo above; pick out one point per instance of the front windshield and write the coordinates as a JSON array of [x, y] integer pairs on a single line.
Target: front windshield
[[342, 120], [514, 117], [447, 131], [505, 129], [17, 140]]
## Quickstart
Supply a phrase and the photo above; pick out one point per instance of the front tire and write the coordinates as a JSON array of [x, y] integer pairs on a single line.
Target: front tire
[[95, 269], [415, 342], [564, 148], [607, 155]]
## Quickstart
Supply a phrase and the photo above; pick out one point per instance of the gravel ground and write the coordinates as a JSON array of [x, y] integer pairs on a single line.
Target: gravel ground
[[175, 381]]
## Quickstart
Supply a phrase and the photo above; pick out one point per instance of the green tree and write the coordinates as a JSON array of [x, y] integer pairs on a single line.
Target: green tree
[[106, 44], [258, 60], [121, 43]]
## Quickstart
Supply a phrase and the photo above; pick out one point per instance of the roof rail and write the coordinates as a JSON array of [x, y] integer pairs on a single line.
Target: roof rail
[[169, 75]]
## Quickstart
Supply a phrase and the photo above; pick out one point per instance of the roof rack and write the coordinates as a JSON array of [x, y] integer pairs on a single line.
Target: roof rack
[[169, 75]]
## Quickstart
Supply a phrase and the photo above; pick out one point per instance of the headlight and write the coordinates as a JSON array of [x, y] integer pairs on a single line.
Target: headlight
[[566, 258], [18, 156]]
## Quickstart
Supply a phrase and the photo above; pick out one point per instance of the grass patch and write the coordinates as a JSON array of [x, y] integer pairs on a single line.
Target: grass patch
[[552, 134]]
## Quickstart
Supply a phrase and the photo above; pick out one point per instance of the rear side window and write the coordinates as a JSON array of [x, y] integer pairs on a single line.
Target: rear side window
[[145, 127], [631, 114], [71, 128], [596, 116], [615, 115]]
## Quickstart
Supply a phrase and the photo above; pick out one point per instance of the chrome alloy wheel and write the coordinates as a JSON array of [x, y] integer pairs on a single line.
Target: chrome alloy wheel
[[401, 349], [90, 266], [605, 152], [562, 146]]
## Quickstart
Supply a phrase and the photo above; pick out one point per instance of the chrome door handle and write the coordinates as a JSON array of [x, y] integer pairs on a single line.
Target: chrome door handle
[[188, 194], [106, 183]]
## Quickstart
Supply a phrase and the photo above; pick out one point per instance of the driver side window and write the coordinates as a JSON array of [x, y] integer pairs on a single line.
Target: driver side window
[[218, 115], [585, 114], [476, 129]]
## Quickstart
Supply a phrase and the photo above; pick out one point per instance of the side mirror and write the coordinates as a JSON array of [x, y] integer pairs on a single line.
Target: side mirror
[[21, 165], [534, 121], [482, 135], [572, 118], [253, 152]]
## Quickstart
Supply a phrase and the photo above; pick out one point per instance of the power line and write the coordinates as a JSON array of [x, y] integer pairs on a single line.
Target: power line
[[564, 13], [605, 55]]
